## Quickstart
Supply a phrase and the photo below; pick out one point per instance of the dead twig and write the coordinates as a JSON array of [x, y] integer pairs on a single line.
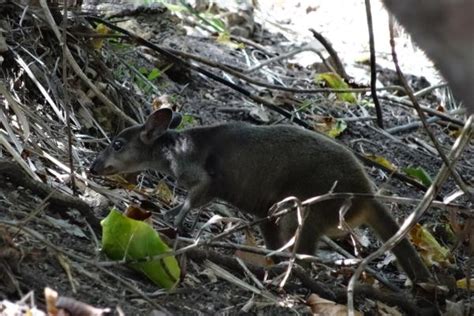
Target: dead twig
[[334, 56], [308, 47], [67, 100], [241, 226], [238, 73], [301, 216], [427, 90], [288, 255], [373, 73], [411, 125]]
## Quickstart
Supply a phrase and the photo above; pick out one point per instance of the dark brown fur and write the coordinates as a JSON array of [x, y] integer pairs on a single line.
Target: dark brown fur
[[254, 167]]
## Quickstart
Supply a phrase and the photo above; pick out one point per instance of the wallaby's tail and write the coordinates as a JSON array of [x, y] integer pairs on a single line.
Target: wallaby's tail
[[386, 226]]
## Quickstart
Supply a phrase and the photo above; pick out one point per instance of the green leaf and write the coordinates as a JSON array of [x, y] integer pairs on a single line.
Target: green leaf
[[224, 38], [187, 120], [154, 73], [218, 24], [176, 8], [383, 161], [334, 81], [337, 128], [129, 239], [420, 174]]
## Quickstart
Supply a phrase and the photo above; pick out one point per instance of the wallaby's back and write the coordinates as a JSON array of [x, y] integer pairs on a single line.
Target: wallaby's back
[[253, 167]]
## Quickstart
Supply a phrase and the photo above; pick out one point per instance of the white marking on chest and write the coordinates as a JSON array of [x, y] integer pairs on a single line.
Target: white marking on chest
[[177, 153], [183, 145]]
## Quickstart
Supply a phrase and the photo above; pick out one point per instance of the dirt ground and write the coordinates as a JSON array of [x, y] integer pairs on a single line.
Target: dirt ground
[[46, 240]]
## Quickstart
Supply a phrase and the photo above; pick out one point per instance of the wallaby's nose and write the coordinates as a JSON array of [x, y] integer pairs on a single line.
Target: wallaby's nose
[[93, 168]]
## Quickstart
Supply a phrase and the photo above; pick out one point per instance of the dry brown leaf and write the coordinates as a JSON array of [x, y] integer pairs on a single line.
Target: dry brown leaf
[[163, 191], [430, 250], [250, 257], [138, 213], [51, 297], [324, 307]]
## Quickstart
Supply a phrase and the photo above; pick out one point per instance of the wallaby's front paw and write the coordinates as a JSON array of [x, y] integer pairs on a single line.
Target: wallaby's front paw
[[176, 215], [173, 212], [179, 221]]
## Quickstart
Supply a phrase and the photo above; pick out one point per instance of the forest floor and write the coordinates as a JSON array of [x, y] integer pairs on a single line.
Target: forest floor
[[49, 221]]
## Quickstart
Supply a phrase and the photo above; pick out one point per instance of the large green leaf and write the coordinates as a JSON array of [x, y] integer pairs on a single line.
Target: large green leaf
[[129, 239]]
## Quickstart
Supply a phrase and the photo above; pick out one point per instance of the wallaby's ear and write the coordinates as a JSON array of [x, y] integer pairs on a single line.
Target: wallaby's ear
[[176, 120], [156, 125]]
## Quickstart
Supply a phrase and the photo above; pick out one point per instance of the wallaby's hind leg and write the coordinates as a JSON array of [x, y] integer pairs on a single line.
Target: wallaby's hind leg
[[319, 221], [308, 239], [271, 235], [385, 226]]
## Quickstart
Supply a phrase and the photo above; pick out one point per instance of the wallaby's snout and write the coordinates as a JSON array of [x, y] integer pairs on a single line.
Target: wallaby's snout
[[131, 150], [123, 155], [99, 168], [95, 167], [102, 164]]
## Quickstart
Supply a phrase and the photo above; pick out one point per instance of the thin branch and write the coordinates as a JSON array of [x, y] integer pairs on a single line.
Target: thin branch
[[18, 176], [273, 216], [66, 101], [373, 65], [411, 125], [427, 90], [304, 48], [334, 56]]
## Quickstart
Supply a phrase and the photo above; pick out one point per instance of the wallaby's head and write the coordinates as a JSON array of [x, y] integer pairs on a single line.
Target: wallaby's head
[[132, 149]]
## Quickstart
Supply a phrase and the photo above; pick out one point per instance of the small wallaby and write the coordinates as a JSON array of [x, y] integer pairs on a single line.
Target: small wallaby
[[253, 167]]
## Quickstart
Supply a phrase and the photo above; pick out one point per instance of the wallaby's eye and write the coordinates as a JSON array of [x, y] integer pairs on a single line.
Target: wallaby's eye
[[117, 145]]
